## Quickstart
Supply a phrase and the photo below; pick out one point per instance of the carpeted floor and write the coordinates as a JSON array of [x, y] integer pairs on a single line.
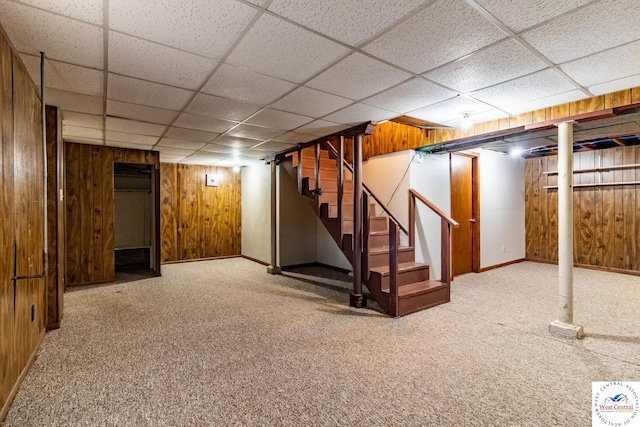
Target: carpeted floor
[[223, 343]]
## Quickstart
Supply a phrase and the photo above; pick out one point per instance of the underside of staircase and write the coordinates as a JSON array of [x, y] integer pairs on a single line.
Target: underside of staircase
[[383, 263]]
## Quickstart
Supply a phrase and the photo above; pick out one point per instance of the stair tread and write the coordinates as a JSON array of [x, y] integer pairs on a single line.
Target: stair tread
[[385, 249], [405, 266], [419, 287]]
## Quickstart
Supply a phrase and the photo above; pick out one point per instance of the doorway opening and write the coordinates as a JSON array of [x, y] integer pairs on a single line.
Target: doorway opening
[[135, 221], [465, 208]]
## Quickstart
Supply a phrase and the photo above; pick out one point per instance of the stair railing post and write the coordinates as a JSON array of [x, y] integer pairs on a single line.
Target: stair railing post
[[299, 170], [366, 229], [393, 268], [340, 169], [357, 299], [273, 268], [445, 251], [412, 219], [316, 164]]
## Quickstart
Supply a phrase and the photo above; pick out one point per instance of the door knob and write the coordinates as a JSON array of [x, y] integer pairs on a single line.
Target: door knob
[[472, 220]]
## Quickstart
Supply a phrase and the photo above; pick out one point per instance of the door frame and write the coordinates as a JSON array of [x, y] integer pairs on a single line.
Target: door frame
[[475, 206]]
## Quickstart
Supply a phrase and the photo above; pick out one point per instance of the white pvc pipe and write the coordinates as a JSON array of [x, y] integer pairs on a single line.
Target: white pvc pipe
[[44, 168], [565, 221]]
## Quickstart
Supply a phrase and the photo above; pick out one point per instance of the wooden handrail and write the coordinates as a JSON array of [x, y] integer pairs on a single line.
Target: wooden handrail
[[445, 233], [434, 208], [368, 190]]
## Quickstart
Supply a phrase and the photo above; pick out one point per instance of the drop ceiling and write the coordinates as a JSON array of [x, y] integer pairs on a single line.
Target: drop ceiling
[[227, 82]]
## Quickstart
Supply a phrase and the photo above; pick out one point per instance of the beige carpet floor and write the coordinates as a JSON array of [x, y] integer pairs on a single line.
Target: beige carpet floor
[[223, 343]]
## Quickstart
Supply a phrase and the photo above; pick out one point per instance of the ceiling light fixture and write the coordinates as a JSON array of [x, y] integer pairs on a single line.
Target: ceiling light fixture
[[466, 120], [236, 168], [516, 151]]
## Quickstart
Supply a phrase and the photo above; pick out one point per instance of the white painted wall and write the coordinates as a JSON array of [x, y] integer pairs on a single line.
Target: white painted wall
[[297, 224], [256, 199], [502, 228], [431, 179], [385, 175], [328, 252]]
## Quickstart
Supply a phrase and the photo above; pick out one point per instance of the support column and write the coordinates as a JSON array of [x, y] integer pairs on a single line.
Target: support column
[[357, 299], [564, 325], [274, 268]]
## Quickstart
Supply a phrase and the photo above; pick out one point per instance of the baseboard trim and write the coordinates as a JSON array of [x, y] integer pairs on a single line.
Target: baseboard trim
[[590, 267], [254, 260], [504, 264], [23, 374], [182, 261]]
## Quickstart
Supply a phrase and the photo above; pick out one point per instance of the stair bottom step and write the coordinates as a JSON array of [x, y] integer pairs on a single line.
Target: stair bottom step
[[418, 288]]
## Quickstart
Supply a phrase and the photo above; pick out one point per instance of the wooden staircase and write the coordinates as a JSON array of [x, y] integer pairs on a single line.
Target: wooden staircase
[[399, 285]]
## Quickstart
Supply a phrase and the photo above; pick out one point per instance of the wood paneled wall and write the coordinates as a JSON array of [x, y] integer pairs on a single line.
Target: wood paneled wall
[[22, 302], [198, 221], [606, 218], [89, 209]]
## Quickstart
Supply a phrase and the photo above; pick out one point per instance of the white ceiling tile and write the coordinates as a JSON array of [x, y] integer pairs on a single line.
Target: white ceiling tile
[[121, 144], [246, 85], [350, 21], [359, 113], [485, 116], [169, 158], [139, 112], [145, 60], [444, 31], [562, 98], [190, 134], [33, 31], [311, 102], [269, 147], [357, 77], [83, 140], [321, 128], [238, 161], [180, 143], [173, 151], [599, 26], [203, 158], [70, 78], [221, 149], [278, 119], [76, 102], [191, 25], [501, 62], [130, 138], [194, 121], [221, 108], [70, 130], [283, 50], [610, 65], [260, 3], [542, 84], [235, 142], [86, 10], [414, 94], [81, 119], [140, 92], [448, 110], [615, 85], [133, 126], [255, 132], [521, 14], [295, 137]]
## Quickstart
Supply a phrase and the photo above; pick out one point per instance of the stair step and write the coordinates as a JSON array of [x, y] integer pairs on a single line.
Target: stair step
[[309, 162], [379, 257], [408, 272], [417, 288], [310, 152], [422, 295]]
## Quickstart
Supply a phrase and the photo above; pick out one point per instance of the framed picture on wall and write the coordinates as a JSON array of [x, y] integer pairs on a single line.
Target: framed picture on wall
[[211, 180]]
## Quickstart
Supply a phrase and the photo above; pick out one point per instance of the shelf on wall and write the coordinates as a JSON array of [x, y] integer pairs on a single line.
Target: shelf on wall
[[598, 169], [597, 184]]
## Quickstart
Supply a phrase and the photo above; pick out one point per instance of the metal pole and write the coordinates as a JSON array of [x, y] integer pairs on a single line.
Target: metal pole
[[273, 268], [45, 255], [564, 325], [357, 299]]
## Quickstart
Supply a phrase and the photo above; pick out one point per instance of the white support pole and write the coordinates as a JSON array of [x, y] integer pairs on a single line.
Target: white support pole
[[274, 268], [564, 325]]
